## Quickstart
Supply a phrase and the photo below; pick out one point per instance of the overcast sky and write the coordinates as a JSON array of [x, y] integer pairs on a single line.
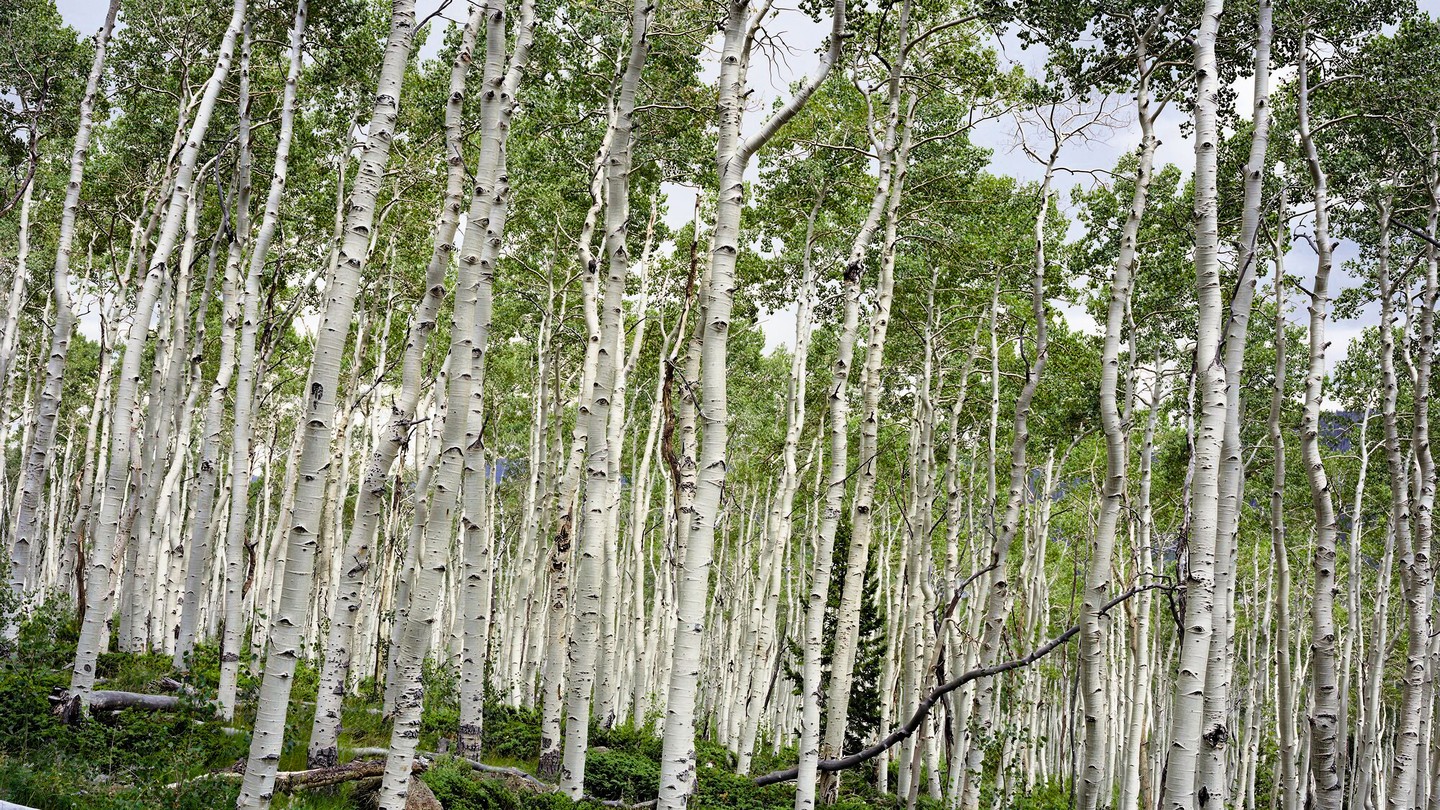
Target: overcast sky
[[803, 37]]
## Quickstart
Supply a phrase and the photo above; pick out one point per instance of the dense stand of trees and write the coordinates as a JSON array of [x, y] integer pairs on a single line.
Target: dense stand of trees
[[472, 393]]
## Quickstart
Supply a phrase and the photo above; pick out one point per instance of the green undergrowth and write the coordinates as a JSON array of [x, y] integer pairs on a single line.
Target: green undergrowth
[[133, 760]]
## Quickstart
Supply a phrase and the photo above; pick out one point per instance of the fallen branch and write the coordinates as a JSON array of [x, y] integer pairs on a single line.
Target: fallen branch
[[286, 781], [542, 786], [899, 735], [67, 705]]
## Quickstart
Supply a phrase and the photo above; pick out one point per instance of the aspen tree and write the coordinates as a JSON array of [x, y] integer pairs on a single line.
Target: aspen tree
[[209, 471], [321, 397], [1218, 671], [595, 409], [33, 473], [997, 582], [1188, 694], [240, 444], [100, 578], [1325, 700], [888, 192], [479, 251], [1117, 447], [1368, 742], [370, 499], [811, 747], [1408, 772], [780, 520], [553, 689], [476, 527], [732, 155]]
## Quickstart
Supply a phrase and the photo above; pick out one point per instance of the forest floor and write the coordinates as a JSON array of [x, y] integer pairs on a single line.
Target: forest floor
[[187, 760]]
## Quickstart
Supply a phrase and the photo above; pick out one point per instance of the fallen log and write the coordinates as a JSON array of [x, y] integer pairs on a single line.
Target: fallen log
[[287, 781], [541, 786], [67, 705]]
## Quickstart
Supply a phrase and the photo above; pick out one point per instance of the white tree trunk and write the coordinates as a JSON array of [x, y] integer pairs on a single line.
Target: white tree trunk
[[1325, 699], [320, 404], [33, 473], [1188, 704], [100, 580], [240, 461]]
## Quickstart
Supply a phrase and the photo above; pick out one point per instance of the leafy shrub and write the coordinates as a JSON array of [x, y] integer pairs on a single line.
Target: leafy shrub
[[511, 733], [453, 785], [723, 790], [621, 775], [640, 740]]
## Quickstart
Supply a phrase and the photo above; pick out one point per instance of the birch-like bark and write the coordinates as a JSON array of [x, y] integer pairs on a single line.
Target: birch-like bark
[[600, 473], [33, 474], [469, 339], [1407, 788], [1141, 715], [1217, 732], [887, 196], [1289, 784], [1188, 704], [209, 473], [732, 156], [1093, 639], [982, 714], [780, 521], [321, 396], [553, 692], [100, 577], [240, 442], [371, 498], [1324, 698], [1398, 534]]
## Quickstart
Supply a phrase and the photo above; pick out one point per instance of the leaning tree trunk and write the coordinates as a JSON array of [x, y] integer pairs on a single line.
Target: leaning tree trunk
[[100, 583], [209, 473], [479, 251], [888, 192], [1406, 783], [1217, 734], [1289, 783], [33, 474], [245, 384], [781, 521], [371, 498], [982, 710], [289, 622]]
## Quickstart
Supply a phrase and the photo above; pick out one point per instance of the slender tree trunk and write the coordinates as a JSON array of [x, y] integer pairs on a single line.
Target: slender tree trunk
[[372, 496], [210, 441], [33, 473], [469, 340], [982, 713], [1217, 734], [320, 405], [240, 461], [1325, 699], [1406, 780], [100, 579], [1093, 640], [677, 767], [1188, 704], [595, 409]]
